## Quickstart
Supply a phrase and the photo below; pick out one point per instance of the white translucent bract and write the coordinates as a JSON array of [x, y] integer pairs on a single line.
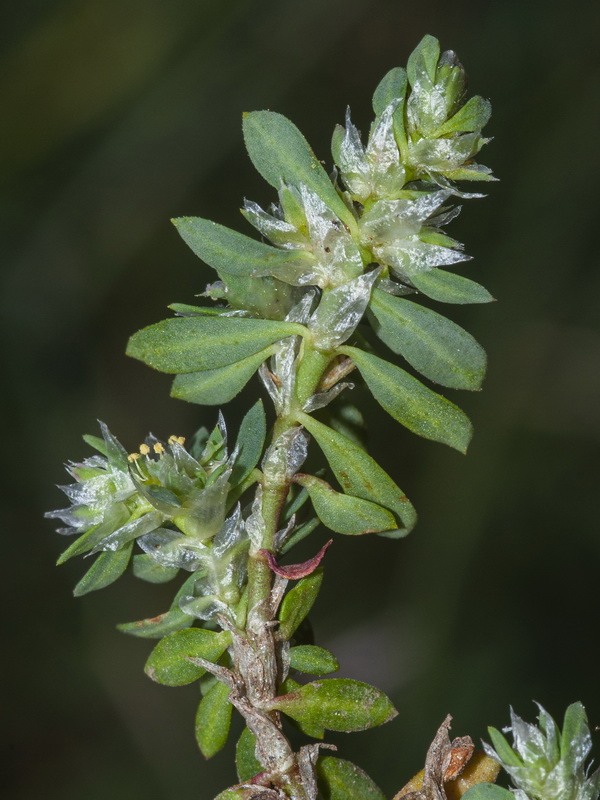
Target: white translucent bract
[[340, 311], [394, 231]]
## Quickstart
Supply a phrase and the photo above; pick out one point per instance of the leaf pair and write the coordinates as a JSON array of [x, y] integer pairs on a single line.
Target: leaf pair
[[213, 356]]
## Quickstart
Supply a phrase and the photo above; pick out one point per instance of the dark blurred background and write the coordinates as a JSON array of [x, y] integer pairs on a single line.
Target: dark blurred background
[[118, 115]]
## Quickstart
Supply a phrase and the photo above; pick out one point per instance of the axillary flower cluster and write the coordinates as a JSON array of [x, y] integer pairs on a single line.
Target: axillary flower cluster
[[172, 502]]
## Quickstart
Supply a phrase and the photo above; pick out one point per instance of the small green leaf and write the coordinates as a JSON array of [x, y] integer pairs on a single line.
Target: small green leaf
[[575, 734], [308, 728], [343, 780], [283, 156], [297, 603], [147, 569], [504, 750], [359, 474], [447, 287], [432, 344], [487, 791], [344, 513], [213, 720], [168, 663], [423, 59], [411, 403], [172, 620], [212, 387], [391, 87], [473, 116], [246, 763], [338, 704], [250, 443], [105, 570], [191, 344], [313, 660], [231, 252]]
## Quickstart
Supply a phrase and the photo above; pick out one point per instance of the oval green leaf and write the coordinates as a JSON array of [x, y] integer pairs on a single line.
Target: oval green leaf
[[191, 344], [213, 720], [283, 156], [297, 603], [359, 474], [342, 780], [250, 443], [473, 116], [338, 704], [212, 387], [447, 287], [168, 663], [313, 660], [344, 513], [231, 252], [246, 762], [411, 403], [432, 344], [105, 570], [390, 88]]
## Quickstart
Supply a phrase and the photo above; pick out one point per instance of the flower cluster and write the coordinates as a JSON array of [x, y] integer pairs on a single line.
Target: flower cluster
[[171, 500], [423, 138], [545, 764]]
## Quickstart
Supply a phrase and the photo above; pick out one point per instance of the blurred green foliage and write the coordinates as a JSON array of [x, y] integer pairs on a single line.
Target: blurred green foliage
[[120, 115]]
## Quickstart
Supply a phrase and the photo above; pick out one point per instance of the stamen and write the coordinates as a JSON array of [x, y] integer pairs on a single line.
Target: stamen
[[133, 457], [158, 448], [144, 449]]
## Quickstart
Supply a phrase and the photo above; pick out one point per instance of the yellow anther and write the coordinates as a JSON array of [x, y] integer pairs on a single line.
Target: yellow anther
[[181, 440], [144, 449], [177, 439], [158, 448], [133, 456]]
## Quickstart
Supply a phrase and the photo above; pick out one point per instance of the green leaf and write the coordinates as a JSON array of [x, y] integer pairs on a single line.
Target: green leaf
[[391, 87], [250, 443], [423, 59], [487, 791], [337, 704], [168, 663], [212, 387], [283, 156], [432, 344], [343, 780], [410, 403], [575, 733], [359, 474], [473, 116], [190, 344], [297, 603], [447, 287], [308, 728], [506, 753], [147, 569], [231, 252], [173, 620], [313, 660], [213, 720], [246, 763], [105, 570], [344, 513]]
